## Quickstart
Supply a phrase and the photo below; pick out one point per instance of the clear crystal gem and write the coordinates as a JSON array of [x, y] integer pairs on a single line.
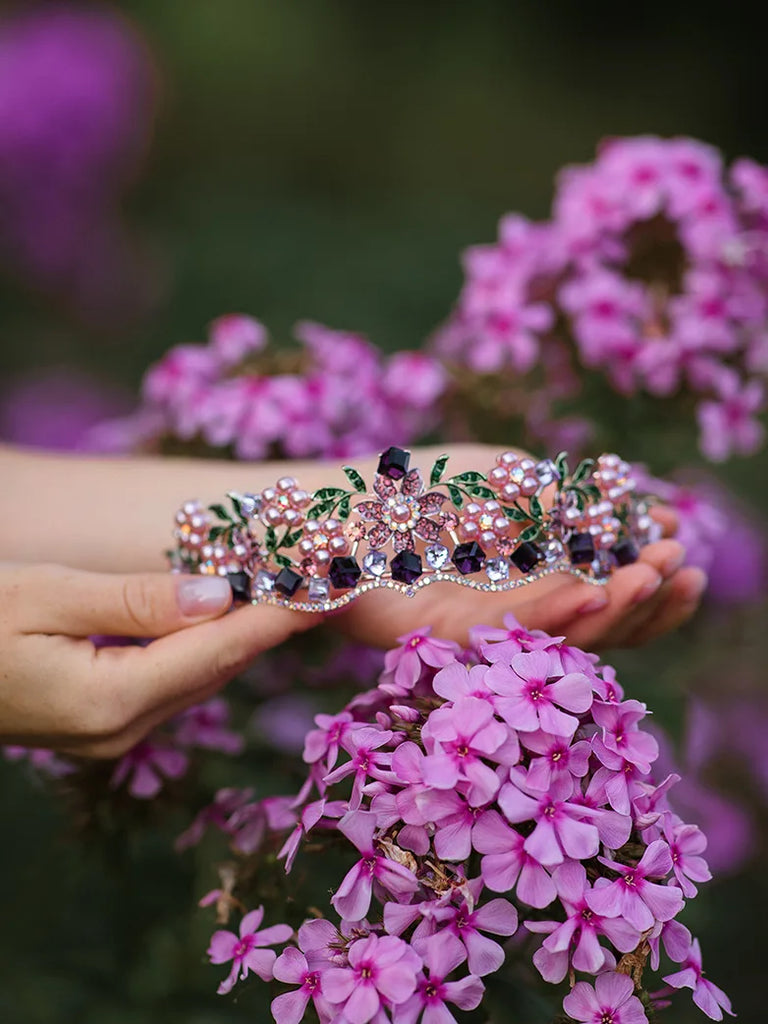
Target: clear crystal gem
[[319, 589], [497, 569], [546, 471], [264, 581], [437, 555], [374, 563], [553, 551]]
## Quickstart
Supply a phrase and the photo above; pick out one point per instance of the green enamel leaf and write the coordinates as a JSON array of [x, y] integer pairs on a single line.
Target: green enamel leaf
[[220, 512], [437, 470], [216, 532], [561, 462], [516, 514], [455, 494], [529, 533], [270, 539], [290, 539], [470, 477], [328, 492], [355, 479], [481, 492], [535, 506], [343, 508], [583, 470], [284, 561]]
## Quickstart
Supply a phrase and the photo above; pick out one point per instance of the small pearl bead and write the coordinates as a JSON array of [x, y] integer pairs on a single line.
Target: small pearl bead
[[501, 526], [472, 509], [338, 545], [269, 494], [299, 498], [510, 492], [468, 530], [273, 516], [286, 483], [507, 459], [498, 476]]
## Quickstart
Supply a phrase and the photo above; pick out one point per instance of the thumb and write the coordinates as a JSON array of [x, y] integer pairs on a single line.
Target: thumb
[[72, 603]]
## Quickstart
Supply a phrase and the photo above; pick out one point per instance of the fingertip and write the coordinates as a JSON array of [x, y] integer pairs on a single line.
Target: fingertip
[[203, 597]]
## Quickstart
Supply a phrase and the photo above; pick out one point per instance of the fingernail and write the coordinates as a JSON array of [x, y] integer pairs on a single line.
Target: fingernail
[[697, 587], [594, 604], [673, 563], [199, 596], [647, 590]]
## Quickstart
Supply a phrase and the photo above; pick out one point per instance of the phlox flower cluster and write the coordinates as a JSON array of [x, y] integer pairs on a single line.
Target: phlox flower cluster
[[77, 87], [337, 396], [482, 794], [653, 271]]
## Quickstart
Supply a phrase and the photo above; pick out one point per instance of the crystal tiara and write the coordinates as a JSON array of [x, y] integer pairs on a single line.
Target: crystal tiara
[[493, 531]]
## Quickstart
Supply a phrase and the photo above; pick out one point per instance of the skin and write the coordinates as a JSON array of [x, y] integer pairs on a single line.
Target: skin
[[107, 521]]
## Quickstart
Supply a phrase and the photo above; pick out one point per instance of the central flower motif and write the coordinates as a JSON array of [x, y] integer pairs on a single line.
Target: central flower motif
[[401, 514]]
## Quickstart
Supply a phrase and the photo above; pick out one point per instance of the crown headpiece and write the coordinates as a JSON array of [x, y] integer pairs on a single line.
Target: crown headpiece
[[493, 531]]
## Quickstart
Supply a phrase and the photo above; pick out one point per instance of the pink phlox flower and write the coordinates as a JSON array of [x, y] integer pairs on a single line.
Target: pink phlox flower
[[496, 644], [454, 820], [205, 725], [728, 425], [458, 737], [148, 765], [497, 916], [312, 814], [366, 761], [704, 312], [650, 802], [618, 786], [611, 1001], [218, 813], [304, 967], [382, 971], [557, 758], [620, 739], [632, 896], [456, 681], [606, 686], [561, 830], [442, 955], [675, 938], [418, 649], [576, 940], [325, 741], [250, 823], [234, 336], [507, 865], [707, 996], [353, 897], [43, 760], [528, 696], [179, 376], [246, 950], [686, 843]]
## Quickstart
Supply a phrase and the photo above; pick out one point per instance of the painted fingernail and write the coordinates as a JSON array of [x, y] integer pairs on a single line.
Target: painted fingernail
[[647, 590], [673, 563], [594, 604], [198, 596]]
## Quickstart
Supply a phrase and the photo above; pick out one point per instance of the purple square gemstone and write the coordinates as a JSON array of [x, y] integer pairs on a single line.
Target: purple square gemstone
[[406, 567], [287, 582], [394, 463], [625, 552], [344, 572], [240, 582], [468, 557], [527, 556], [582, 548]]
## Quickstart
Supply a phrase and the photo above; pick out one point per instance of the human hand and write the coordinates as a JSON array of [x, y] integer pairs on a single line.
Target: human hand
[[58, 690], [641, 601]]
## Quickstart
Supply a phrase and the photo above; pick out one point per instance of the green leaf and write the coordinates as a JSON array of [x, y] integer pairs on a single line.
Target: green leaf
[[561, 462], [481, 492], [289, 539], [220, 512], [355, 479], [470, 477], [328, 492], [284, 561], [516, 514], [583, 470], [216, 532], [437, 470], [535, 506], [270, 539], [591, 491], [529, 533], [236, 505], [343, 508], [456, 496]]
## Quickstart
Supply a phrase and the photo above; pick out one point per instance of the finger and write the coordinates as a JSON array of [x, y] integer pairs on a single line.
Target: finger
[[665, 556], [683, 600], [173, 672], [667, 519], [81, 604]]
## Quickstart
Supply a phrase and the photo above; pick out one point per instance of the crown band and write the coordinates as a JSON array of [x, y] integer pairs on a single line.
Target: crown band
[[319, 551]]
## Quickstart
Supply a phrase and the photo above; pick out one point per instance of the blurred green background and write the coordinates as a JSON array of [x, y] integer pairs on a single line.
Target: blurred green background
[[329, 160]]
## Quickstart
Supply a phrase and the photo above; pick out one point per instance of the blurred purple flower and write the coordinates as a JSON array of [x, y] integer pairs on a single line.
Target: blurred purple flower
[[77, 88]]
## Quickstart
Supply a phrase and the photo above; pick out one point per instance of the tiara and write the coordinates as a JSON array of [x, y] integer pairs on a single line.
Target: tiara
[[490, 531]]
